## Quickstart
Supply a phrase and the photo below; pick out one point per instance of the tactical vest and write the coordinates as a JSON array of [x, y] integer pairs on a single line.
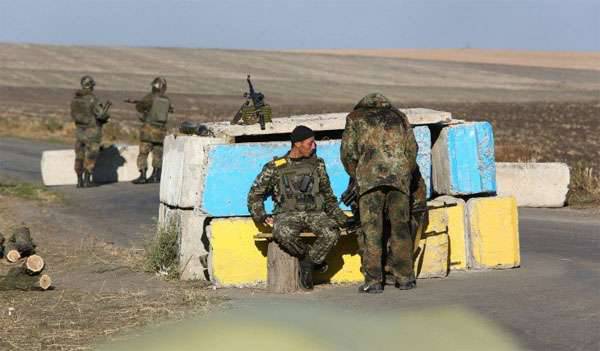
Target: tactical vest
[[299, 186], [159, 111], [81, 111]]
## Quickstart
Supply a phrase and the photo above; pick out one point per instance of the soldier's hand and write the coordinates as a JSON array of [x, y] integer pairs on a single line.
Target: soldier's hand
[[269, 221]]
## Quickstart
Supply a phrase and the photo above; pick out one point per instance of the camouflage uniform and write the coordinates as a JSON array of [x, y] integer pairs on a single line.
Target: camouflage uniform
[[86, 112], [153, 130], [315, 209], [379, 150]]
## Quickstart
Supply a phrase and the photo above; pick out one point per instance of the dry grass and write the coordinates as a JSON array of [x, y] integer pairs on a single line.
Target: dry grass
[[584, 189], [100, 293], [28, 191]]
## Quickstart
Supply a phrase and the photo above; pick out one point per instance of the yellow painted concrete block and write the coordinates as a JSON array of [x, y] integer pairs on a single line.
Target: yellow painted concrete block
[[237, 259], [432, 257], [493, 232], [454, 218]]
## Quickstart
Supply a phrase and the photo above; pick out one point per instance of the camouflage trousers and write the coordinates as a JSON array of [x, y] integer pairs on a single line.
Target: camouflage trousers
[[145, 149], [376, 207], [288, 226], [86, 154]]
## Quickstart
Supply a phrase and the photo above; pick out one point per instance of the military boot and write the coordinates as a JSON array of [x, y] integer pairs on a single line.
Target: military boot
[[371, 288], [80, 180], [87, 180], [155, 176], [406, 286], [141, 179], [306, 273]]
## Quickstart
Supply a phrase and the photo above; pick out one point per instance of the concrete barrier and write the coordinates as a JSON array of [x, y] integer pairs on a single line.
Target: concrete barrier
[[463, 160], [193, 243], [115, 163], [237, 259], [185, 159], [493, 233], [319, 122], [454, 219], [534, 184]]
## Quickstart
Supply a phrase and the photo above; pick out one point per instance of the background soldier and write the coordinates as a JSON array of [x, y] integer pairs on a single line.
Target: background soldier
[[89, 116], [154, 109], [379, 150], [304, 200]]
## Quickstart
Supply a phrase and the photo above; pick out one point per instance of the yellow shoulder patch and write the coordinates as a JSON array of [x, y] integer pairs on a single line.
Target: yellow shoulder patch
[[280, 162]]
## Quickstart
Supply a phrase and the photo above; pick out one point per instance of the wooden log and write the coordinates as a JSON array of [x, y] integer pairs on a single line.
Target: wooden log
[[21, 242], [282, 270], [13, 256], [34, 265], [18, 279]]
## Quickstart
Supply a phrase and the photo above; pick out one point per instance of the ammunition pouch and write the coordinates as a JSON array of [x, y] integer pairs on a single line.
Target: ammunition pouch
[[249, 114], [82, 111], [300, 188]]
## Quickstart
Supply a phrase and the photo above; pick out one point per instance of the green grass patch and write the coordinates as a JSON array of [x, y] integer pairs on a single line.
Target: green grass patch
[[29, 191], [162, 252]]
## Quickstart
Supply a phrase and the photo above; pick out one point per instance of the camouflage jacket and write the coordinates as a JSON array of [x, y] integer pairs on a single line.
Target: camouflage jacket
[[86, 112], [378, 145], [267, 183], [150, 132]]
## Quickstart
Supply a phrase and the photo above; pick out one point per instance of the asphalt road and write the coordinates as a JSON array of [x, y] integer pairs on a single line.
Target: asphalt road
[[552, 302]]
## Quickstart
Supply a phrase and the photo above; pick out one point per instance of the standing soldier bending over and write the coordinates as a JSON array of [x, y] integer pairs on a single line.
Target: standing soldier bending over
[[304, 200], [379, 150], [89, 116], [154, 109]]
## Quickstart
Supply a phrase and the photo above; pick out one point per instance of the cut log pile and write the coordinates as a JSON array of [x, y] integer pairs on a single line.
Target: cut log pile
[[22, 269]]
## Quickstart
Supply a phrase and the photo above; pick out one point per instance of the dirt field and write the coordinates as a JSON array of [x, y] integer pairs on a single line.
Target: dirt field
[[101, 291]]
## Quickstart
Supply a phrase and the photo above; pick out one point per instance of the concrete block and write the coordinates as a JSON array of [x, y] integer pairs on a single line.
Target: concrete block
[[185, 159], [493, 233], [193, 243], [454, 220], [432, 257], [232, 168], [423, 137], [534, 184], [320, 122], [115, 163], [237, 259], [463, 160]]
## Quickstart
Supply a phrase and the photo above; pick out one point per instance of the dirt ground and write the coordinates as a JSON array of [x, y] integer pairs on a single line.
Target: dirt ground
[[100, 289]]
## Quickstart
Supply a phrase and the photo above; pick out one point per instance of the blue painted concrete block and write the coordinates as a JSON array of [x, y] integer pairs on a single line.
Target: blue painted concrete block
[[233, 167], [463, 160]]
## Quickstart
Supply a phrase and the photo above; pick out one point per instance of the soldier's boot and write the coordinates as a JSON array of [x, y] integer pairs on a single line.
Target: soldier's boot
[[406, 286], [87, 180], [141, 179], [306, 273], [371, 288], [80, 180], [155, 176]]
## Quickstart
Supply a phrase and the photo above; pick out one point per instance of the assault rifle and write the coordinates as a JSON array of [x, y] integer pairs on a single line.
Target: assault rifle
[[258, 102], [131, 101]]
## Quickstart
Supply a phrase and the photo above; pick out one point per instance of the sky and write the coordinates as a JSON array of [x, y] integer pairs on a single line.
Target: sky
[[306, 24]]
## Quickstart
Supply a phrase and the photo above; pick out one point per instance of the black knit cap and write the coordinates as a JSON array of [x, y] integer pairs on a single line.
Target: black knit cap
[[301, 133]]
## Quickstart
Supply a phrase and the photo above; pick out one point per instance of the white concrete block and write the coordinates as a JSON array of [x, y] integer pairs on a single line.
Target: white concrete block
[[185, 158], [534, 184], [193, 245], [320, 122], [116, 163]]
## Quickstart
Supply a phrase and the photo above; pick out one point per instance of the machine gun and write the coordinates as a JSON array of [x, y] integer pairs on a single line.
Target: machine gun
[[258, 102]]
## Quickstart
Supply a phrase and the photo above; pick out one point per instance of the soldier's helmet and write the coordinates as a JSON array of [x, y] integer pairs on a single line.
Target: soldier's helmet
[[87, 82], [159, 84]]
